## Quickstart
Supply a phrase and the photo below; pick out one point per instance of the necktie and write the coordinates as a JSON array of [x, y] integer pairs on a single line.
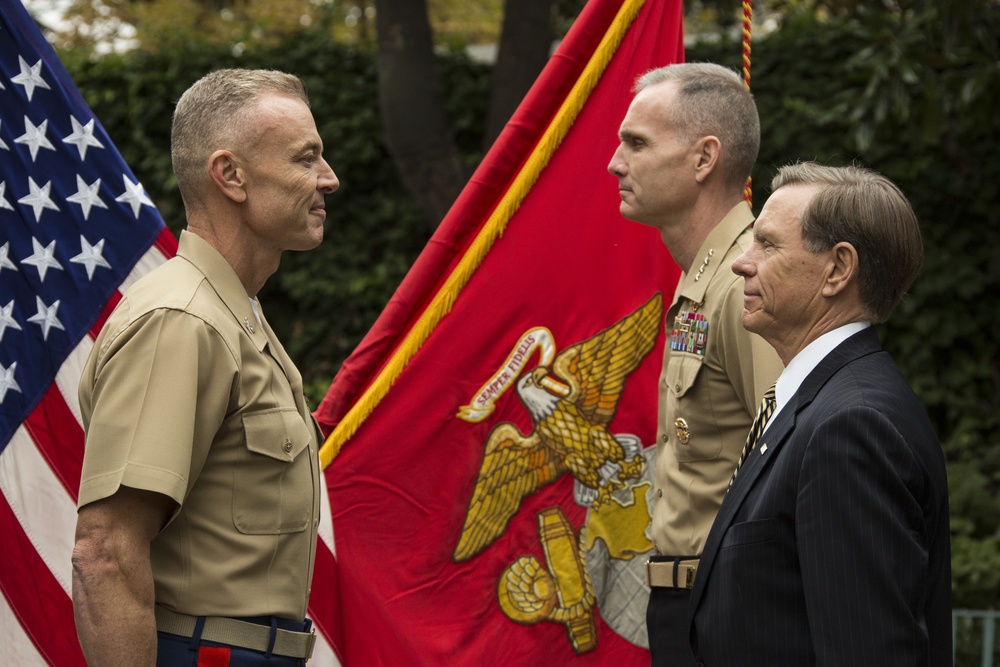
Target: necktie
[[764, 413]]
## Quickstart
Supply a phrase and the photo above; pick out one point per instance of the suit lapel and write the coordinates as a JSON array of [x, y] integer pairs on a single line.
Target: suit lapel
[[860, 344], [756, 463]]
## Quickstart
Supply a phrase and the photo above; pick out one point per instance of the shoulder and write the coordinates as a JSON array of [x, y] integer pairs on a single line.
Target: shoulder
[[171, 285], [173, 305]]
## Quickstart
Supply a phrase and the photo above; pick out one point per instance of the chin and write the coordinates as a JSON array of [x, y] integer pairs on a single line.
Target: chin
[[309, 241], [631, 214], [749, 322]]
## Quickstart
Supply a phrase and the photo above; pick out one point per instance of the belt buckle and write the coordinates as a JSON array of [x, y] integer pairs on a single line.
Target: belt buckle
[[310, 643], [649, 577], [689, 577]]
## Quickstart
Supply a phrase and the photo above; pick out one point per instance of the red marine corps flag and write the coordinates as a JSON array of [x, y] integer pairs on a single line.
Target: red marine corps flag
[[491, 441]]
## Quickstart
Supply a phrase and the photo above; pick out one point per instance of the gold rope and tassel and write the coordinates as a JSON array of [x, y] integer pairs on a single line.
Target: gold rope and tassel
[[747, 20]]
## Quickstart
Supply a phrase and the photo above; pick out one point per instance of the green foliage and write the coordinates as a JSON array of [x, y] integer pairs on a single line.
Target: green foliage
[[912, 94], [321, 303], [886, 90]]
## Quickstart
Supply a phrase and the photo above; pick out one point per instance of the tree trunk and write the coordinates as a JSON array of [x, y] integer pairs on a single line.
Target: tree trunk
[[410, 98], [525, 43]]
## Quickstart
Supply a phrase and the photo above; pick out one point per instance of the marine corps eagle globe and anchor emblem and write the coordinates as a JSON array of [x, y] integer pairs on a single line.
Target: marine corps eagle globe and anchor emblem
[[571, 397]]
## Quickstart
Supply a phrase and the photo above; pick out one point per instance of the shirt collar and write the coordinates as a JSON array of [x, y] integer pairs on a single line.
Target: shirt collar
[[803, 363], [223, 279], [708, 259]]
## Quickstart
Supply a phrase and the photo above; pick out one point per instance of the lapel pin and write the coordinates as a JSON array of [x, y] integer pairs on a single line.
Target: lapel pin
[[763, 448]]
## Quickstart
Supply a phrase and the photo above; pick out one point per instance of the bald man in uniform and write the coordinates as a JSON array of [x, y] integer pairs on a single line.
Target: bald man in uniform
[[688, 142], [199, 500]]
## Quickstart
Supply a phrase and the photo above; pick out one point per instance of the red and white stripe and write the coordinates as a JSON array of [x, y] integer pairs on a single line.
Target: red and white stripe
[[39, 480]]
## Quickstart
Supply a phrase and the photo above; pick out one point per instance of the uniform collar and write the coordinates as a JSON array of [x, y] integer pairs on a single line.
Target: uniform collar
[[709, 258], [223, 279]]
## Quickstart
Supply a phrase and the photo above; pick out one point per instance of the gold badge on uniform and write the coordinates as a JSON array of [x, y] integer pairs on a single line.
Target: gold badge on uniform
[[683, 433]]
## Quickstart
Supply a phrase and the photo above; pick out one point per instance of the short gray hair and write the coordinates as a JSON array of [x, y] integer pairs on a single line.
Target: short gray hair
[[867, 210], [213, 113], [712, 100]]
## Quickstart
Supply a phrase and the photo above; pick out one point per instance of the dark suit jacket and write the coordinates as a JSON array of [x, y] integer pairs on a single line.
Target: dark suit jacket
[[832, 547]]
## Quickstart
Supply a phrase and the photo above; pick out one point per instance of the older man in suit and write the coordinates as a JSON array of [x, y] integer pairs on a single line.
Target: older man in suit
[[832, 544]]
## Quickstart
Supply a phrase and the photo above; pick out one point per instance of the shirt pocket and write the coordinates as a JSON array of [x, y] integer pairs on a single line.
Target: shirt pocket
[[690, 420], [272, 487], [682, 372]]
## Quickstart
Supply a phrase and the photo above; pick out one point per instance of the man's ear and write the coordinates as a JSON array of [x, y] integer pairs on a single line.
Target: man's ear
[[843, 268], [227, 175], [708, 151]]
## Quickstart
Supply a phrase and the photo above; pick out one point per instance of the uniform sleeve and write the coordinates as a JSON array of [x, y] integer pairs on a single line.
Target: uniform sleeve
[[751, 362], [160, 390]]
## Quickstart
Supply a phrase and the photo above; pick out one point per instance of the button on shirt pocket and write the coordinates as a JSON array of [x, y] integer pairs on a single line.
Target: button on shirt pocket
[[272, 482], [690, 420]]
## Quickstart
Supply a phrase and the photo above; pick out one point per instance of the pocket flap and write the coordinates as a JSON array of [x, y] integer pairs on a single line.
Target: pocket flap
[[279, 433], [683, 371]]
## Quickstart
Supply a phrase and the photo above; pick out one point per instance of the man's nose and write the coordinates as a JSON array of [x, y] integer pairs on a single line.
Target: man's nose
[[328, 181], [616, 165], [742, 266]]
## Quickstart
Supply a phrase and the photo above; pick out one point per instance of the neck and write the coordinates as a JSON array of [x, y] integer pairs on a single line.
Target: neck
[[790, 347], [685, 240], [250, 266]]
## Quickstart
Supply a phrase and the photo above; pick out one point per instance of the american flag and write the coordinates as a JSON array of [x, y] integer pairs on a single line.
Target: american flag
[[76, 229]]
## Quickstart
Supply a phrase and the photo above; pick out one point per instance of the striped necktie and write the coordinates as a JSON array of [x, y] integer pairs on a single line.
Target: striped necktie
[[764, 413]]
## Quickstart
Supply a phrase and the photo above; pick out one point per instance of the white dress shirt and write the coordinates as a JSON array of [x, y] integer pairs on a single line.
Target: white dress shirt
[[803, 363]]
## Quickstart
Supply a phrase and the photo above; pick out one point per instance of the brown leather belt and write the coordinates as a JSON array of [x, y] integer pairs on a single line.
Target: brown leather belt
[[671, 573], [238, 633]]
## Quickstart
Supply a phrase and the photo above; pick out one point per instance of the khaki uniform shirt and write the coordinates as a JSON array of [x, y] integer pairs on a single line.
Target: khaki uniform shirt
[[710, 388], [187, 394]]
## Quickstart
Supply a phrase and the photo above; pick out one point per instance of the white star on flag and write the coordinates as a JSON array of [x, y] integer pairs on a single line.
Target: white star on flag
[[7, 380], [5, 262], [3, 199], [34, 137], [38, 199], [135, 195], [43, 259], [30, 77], [7, 320], [46, 317], [82, 137], [41, 434], [86, 196], [91, 256]]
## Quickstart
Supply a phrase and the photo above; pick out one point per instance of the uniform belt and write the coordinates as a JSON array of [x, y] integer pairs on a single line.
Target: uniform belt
[[671, 572], [238, 633]]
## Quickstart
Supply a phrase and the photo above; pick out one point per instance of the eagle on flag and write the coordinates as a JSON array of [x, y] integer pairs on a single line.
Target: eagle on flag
[[571, 406]]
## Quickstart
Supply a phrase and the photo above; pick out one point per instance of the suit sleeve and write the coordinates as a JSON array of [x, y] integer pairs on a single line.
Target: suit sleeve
[[860, 540]]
